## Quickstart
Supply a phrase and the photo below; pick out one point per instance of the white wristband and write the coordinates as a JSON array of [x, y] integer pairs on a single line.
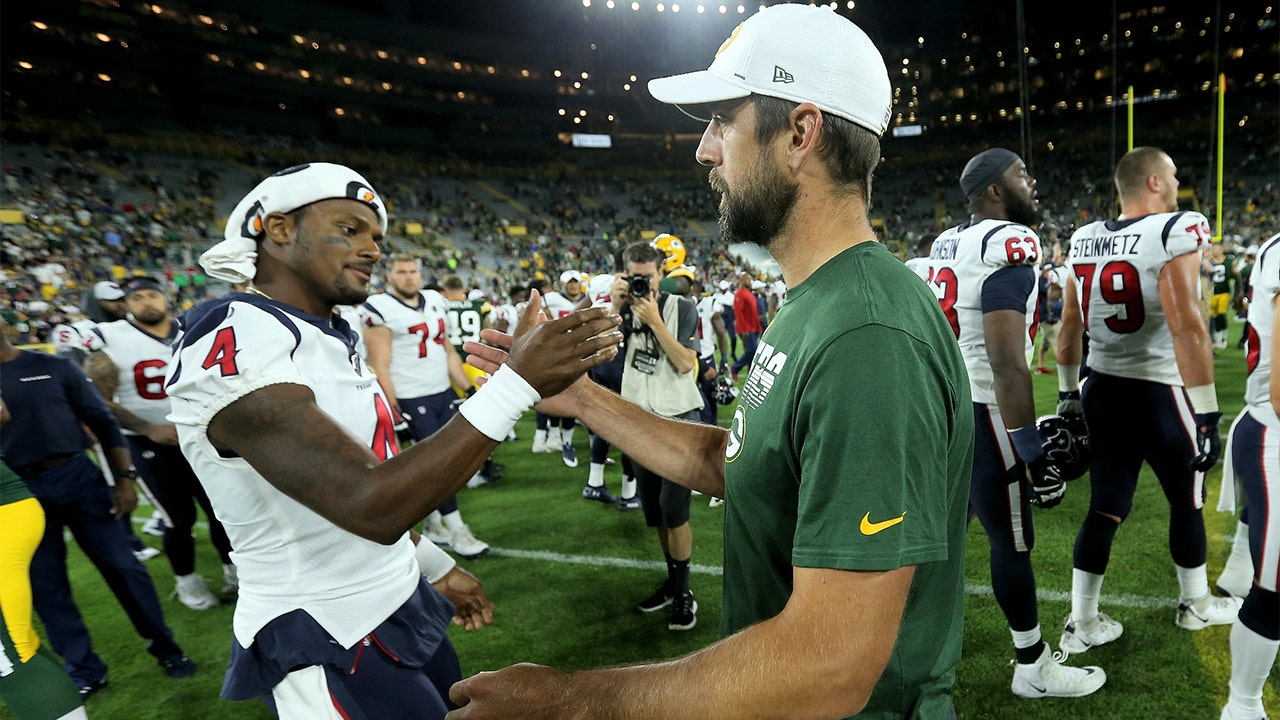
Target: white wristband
[[1068, 378], [432, 561], [499, 403], [1204, 398]]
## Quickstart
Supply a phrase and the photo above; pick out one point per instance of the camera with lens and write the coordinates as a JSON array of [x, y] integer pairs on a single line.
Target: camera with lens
[[638, 285]]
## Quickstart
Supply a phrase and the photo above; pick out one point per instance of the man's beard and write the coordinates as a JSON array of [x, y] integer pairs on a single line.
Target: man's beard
[[150, 317], [1021, 210], [760, 210]]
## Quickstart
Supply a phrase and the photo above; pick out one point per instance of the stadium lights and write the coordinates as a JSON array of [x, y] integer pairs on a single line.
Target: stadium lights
[[1246, 117], [850, 4], [299, 39], [556, 73], [259, 66], [626, 87], [662, 8], [39, 25], [206, 19], [586, 76], [561, 112], [723, 10], [702, 9], [635, 7], [157, 9], [304, 74], [25, 65], [582, 113], [586, 3], [104, 77], [103, 37], [577, 121], [610, 4], [339, 112], [675, 7]]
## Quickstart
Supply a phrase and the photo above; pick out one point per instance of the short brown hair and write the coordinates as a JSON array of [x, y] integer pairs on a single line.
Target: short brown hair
[[1135, 167], [452, 282], [402, 258], [642, 252], [850, 151]]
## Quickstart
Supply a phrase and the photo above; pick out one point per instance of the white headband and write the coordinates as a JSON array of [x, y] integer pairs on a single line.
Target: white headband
[[234, 259]]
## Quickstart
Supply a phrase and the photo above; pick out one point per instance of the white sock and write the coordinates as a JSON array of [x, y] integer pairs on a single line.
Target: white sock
[[1193, 583], [1251, 659], [434, 523], [453, 520], [539, 437], [628, 487], [553, 437], [1239, 561], [595, 477], [1026, 638], [186, 579], [567, 435], [1085, 589]]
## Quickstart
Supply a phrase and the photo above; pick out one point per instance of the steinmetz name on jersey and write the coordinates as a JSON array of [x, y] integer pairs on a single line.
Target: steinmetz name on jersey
[[1265, 281], [960, 270], [1116, 265]]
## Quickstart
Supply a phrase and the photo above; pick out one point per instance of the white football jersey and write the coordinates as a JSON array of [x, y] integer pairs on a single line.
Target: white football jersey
[[556, 305], [600, 290], [78, 335], [288, 557], [708, 308], [141, 360], [960, 263], [419, 364], [1265, 281], [505, 312], [1115, 266]]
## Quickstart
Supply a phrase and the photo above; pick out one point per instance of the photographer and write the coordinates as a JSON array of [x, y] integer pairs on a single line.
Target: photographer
[[659, 374]]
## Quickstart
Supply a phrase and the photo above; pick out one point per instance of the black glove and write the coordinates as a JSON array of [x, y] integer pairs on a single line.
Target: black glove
[[1047, 486], [403, 436], [1069, 405], [1208, 441]]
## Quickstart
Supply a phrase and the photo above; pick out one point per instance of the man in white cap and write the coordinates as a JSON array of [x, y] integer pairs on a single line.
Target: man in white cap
[[293, 439], [847, 485], [104, 303]]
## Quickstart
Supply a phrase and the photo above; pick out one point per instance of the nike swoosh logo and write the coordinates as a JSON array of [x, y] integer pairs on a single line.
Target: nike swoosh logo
[[869, 528]]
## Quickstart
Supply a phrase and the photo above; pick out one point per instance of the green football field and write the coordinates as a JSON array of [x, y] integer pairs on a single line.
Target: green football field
[[565, 574]]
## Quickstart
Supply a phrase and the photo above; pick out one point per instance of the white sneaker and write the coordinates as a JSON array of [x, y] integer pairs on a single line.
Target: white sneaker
[[230, 580], [437, 533], [154, 526], [192, 592], [539, 447], [512, 436], [146, 553], [1208, 610], [1048, 677], [1075, 639], [715, 502], [466, 544]]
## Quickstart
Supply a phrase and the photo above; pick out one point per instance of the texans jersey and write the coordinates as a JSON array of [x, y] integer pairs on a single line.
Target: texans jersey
[[557, 305], [419, 363], [1116, 265], [708, 308], [77, 336], [466, 320], [978, 268], [504, 312], [600, 290], [351, 315], [141, 360], [288, 557], [1265, 281]]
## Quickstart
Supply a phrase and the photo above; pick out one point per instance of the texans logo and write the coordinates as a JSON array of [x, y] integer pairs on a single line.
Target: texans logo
[[252, 225], [363, 193]]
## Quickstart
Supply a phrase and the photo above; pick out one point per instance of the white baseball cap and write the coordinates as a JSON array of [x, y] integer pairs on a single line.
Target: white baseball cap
[[795, 52], [568, 275], [724, 285]]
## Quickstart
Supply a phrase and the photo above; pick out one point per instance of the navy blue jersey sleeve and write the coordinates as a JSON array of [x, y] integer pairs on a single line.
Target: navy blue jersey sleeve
[[90, 408], [1008, 289]]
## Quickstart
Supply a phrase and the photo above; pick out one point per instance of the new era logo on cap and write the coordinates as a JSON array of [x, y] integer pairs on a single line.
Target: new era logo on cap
[[782, 76]]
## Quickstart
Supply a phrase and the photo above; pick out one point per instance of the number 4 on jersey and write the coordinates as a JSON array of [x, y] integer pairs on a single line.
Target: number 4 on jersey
[[223, 353]]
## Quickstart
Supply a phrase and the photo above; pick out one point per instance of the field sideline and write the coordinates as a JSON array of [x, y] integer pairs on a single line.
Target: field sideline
[[565, 574]]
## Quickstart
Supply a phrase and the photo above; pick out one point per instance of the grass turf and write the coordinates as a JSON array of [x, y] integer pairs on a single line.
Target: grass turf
[[576, 615]]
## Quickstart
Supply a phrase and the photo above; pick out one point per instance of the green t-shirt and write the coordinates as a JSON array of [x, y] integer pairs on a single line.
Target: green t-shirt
[[851, 449], [1222, 275]]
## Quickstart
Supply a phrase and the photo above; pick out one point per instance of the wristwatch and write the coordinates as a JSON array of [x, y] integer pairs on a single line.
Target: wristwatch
[[131, 473]]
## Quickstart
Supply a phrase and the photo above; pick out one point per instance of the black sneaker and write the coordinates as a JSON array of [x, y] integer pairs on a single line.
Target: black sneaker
[[599, 494], [684, 612], [655, 602], [91, 688], [178, 666], [493, 470], [631, 503]]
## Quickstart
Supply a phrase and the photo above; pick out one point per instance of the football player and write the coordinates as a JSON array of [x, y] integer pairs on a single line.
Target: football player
[[293, 438], [129, 371], [468, 315], [983, 273], [555, 434], [599, 291], [1255, 450], [406, 331], [1134, 285]]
